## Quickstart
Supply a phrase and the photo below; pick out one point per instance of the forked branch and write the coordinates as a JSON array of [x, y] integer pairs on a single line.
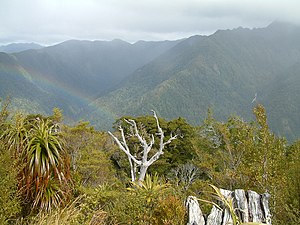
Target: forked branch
[[143, 163]]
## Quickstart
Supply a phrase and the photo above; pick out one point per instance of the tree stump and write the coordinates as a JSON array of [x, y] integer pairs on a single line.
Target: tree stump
[[215, 216], [241, 203], [249, 206], [195, 214]]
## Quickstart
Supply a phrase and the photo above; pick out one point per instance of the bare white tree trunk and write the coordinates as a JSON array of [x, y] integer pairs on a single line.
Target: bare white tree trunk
[[143, 163], [143, 171], [132, 169]]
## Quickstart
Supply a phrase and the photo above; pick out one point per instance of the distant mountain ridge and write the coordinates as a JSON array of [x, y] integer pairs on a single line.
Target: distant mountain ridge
[[102, 80], [18, 47]]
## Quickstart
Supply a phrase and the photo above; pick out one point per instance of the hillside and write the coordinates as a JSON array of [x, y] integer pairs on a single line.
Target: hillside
[[89, 68], [282, 99], [25, 96], [100, 81], [222, 71], [15, 82], [69, 75]]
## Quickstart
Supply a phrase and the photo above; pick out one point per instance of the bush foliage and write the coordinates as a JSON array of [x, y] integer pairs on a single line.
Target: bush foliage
[[79, 176]]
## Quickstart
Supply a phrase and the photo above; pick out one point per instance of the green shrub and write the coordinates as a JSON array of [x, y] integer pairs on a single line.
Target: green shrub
[[9, 201], [170, 210]]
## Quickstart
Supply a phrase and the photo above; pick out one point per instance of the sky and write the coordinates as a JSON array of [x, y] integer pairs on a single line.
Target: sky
[[52, 21]]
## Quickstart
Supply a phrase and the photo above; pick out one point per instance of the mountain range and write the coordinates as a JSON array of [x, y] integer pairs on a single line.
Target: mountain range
[[19, 47], [100, 81]]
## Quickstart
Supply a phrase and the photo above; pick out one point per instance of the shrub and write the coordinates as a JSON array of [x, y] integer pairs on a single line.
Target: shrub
[[9, 201]]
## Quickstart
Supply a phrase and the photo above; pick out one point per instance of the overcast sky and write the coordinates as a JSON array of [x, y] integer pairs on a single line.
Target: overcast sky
[[52, 21]]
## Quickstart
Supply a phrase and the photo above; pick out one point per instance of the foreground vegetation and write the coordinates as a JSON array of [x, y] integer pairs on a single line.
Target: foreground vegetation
[[52, 173]]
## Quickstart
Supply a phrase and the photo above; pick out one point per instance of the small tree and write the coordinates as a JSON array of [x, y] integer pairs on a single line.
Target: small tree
[[139, 165]]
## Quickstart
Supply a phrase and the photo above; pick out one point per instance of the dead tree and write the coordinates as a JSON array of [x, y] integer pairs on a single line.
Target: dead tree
[[139, 166], [248, 207]]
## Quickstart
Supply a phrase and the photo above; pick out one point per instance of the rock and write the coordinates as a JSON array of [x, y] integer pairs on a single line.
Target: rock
[[194, 212]]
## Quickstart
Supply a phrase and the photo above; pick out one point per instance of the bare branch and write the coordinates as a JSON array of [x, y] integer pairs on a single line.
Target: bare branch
[[171, 139], [144, 144], [157, 122], [144, 163], [151, 143], [124, 148], [162, 143], [160, 151], [136, 132], [124, 143]]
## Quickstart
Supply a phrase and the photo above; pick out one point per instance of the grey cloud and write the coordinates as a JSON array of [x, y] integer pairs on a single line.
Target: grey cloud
[[48, 21]]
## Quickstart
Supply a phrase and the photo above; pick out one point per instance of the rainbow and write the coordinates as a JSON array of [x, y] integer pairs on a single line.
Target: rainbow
[[47, 82]]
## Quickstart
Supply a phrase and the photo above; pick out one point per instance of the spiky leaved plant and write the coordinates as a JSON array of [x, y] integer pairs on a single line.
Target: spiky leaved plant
[[46, 166], [150, 188]]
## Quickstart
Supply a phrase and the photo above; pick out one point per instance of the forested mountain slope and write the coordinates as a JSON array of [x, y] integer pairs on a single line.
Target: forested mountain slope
[[16, 83], [282, 99], [222, 71], [25, 95], [90, 68], [99, 81], [69, 75]]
